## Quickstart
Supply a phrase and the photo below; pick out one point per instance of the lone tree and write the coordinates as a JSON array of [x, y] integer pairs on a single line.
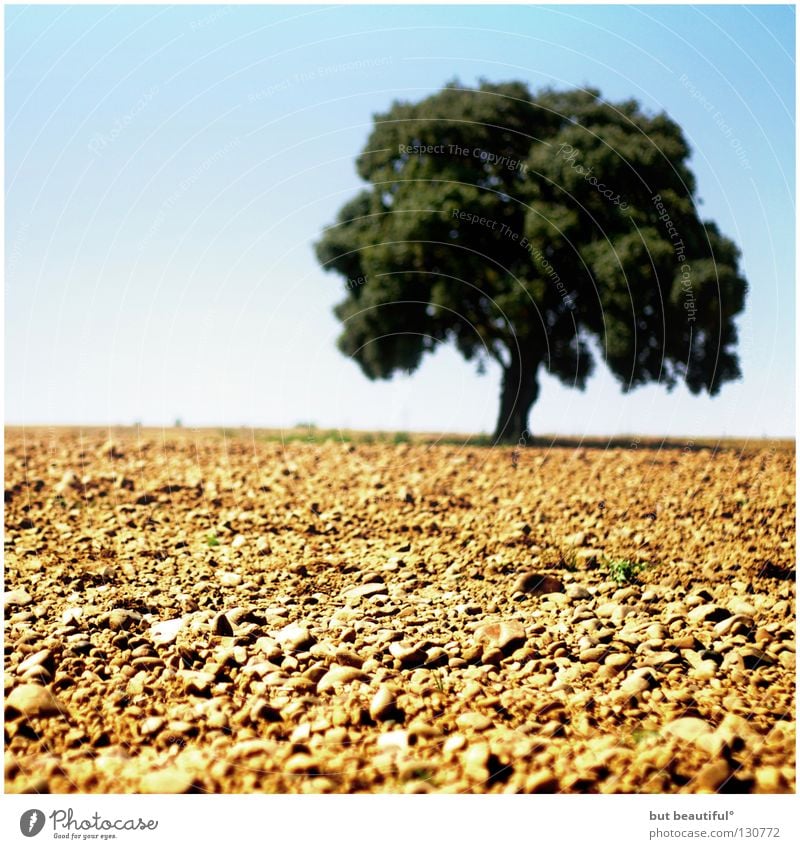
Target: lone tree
[[519, 227]]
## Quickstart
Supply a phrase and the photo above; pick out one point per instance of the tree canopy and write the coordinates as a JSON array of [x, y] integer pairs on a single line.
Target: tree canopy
[[519, 226]]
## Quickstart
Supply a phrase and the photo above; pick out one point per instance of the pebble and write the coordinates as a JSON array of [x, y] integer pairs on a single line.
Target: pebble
[[473, 721], [165, 633], [407, 656], [541, 781], [34, 701], [72, 616], [147, 662], [384, 703], [769, 780], [16, 598], [506, 636], [638, 682], [712, 776], [618, 660], [663, 658], [229, 579], [348, 658], [475, 760], [365, 591], [121, 619], [152, 725], [736, 624], [222, 626], [593, 655], [393, 740], [708, 613], [294, 638], [37, 659], [339, 675], [454, 743], [169, 780], [536, 584], [692, 729]]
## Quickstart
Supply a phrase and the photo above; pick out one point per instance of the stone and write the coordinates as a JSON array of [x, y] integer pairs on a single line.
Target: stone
[[576, 540], [72, 616], [294, 638], [752, 658], [165, 633], [638, 682], [541, 781], [229, 579], [364, 591], [121, 619], [506, 636], [473, 721], [38, 674], [222, 626], [663, 658], [348, 658], [393, 740], [736, 624], [16, 598], [339, 675], [535, 584], [33, 701], [196, 682], [407, 656], [262, 709], [692, 729], [172, 780], [576, 592], [476, 762], [152, 725], [383, 704], [769, 780], [42, 658], [708, 613], [618, 660], [712, 776], [454, 743], [592, 655]]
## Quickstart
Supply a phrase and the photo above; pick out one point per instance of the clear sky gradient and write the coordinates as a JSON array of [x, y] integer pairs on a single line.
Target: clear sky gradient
[[168, 169]]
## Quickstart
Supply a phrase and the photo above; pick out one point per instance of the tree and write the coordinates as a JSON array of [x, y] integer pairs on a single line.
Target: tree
[[521, 227]]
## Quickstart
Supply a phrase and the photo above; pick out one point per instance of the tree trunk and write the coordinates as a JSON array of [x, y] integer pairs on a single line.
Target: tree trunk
[[519, 391]]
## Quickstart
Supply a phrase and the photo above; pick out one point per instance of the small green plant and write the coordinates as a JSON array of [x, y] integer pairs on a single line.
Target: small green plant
[[625, 571], [438, 682], [568, 558], [401, 438], [644, 735], [212, 540]]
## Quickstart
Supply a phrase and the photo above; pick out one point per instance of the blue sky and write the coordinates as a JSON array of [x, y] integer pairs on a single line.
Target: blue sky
[[168, 169]]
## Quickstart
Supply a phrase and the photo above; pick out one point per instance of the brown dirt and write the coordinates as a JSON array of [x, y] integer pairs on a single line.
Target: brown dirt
[[188, 612]]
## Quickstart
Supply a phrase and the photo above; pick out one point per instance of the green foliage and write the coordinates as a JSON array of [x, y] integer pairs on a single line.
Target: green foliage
[[625, 571], [212, 540], [519, 227], [645, 736]]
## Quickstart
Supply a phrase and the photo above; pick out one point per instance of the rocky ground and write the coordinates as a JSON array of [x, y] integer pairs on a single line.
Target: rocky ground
[[187, 612]]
